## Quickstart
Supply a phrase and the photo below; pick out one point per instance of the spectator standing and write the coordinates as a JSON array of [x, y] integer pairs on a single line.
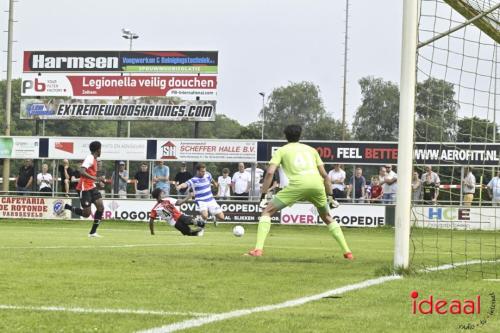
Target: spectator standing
[[161, 175], [181, 177], [44, 180], [493, 188], [24, 179], [416, 187], [389, 185], [434, 179], [122, 180], [257, 178], [101, 176], [241, 183], [337, 177], [469, 186], [376, 190], [141, 183], [65, 173], [359, 183], [430, 189], [224, 185]]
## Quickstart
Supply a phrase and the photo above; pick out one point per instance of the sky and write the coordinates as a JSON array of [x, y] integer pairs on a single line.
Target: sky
[[262, 44]]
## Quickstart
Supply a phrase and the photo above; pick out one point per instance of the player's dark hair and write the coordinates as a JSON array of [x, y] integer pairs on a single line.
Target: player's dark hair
[[94, 146], [156, 193], [292, 133], [201, 166]]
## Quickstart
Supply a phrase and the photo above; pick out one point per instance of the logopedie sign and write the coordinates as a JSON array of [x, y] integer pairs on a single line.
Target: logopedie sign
[[346, 215], [138, 210], [64, 109], [186, 62], [248, 212], [59, 85]]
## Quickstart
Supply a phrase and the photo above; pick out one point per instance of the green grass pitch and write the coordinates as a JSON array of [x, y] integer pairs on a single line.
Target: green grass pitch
[[53, 264]]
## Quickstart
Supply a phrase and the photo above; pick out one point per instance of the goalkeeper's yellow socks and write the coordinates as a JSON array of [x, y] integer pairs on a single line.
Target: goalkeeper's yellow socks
[[262, 231], [337, 233]]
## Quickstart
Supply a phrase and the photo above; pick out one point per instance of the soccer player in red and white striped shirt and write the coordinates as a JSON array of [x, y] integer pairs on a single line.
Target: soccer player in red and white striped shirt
[[165, 210], [87, 190]]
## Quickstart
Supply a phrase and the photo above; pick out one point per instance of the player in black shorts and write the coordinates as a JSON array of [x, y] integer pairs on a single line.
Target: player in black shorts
[[87, 190]]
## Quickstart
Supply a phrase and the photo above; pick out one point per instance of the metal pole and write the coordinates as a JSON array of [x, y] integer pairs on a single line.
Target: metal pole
[[344, 90], [263, 115], [8, 99], [36, 164], [117, 163], [406, 128], [128, 122]]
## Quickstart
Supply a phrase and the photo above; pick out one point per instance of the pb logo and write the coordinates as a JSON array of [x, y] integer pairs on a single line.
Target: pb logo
[[33, 85]]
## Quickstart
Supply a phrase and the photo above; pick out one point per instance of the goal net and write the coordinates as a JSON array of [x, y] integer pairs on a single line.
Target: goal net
[[457, 104]]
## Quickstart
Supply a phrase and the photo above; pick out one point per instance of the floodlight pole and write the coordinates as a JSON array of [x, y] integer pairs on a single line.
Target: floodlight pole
[[8, 99], [127, 34], [406, 128], [344, 89]]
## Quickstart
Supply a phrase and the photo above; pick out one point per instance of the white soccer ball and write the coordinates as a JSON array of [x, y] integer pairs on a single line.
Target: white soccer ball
[[238, 231]]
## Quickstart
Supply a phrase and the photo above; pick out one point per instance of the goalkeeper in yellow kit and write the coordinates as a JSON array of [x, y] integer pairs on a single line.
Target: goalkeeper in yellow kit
[[308, 181]]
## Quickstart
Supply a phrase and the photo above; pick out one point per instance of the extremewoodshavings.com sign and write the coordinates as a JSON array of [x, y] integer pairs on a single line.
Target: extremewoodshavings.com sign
[[109, 110]]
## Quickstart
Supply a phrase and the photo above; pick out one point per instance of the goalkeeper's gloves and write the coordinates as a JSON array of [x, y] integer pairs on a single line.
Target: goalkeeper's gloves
[[332, 203], [263, 200]]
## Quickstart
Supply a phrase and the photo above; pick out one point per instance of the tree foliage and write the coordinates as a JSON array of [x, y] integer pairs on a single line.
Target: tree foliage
[[476, 130], [436, 111], [298, 103], [377, 117]]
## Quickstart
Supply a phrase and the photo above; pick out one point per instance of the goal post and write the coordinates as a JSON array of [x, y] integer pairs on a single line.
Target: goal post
[[448, 99], [408, 79]]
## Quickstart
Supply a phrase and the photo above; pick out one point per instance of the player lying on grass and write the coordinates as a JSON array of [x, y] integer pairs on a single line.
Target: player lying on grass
[[165, 210], [308, 181]]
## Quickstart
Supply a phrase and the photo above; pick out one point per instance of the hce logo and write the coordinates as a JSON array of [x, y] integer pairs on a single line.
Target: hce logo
[[441, 306], [37, 85]]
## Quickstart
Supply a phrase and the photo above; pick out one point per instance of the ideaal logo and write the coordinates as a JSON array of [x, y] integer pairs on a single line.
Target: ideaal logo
[[442, 306], [430, 305]]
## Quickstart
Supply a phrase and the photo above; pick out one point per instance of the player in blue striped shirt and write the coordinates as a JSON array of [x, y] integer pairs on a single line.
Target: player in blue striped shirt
[[201, 184]]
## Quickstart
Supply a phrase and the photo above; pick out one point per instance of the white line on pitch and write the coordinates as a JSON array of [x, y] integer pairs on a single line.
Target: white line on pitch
[[94, 246], [450, 266], [291, 303], [494, 280], [190, 323], [108, 311]]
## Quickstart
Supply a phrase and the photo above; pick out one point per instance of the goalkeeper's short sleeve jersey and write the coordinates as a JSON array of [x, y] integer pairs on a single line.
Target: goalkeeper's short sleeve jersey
[[300, 164]]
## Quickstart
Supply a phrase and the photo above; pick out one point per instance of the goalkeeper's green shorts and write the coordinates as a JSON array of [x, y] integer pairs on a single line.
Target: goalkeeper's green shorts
[[292, 194]]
